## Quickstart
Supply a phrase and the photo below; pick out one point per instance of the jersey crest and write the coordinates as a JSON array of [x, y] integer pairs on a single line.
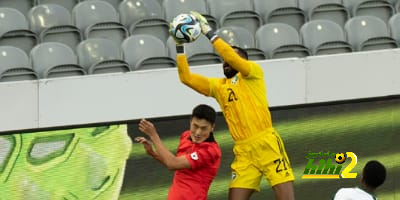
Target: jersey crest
[[194, 156]]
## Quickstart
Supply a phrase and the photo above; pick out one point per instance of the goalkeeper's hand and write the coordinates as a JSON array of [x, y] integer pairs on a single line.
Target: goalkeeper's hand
[[171, 34], [205, 27]]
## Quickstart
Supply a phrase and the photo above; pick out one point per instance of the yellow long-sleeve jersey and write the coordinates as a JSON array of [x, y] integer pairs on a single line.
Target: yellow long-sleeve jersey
[[242, 98]]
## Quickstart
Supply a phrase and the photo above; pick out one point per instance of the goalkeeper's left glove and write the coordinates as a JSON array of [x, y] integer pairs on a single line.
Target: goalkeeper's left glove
[[205, 27]]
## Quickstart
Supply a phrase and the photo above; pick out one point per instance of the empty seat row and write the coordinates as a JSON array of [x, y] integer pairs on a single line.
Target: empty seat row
[[316, 37], [92, 56], [97, 18], [274, 40], [25, 5], [249, 13]]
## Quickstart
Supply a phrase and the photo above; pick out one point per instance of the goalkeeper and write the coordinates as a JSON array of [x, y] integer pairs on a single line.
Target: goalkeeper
[[259, 150]]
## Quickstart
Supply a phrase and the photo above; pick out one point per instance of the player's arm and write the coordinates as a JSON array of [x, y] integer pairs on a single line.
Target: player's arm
[[224, 49], [195, 81], [148, 147], [165, 156], [229, 55]]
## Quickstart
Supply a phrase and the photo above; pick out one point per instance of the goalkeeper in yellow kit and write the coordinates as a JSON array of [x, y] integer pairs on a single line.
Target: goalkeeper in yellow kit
[[258, 149]]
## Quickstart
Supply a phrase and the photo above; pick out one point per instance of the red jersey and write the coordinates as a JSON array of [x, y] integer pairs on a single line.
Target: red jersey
[[204, 158]]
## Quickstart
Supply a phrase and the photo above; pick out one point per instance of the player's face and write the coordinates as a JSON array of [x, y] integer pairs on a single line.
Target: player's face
[[200, 129], [229, 72]]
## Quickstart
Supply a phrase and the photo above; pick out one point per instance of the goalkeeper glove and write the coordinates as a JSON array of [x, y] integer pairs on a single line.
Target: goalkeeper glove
[[205, 27], [171, 34]]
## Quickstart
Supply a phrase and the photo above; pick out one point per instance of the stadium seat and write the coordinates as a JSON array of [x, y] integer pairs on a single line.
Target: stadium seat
[[172, 8], [394, 25], [280, 11], [279, 40], [241, 37], [21, 5], [324, 37], [397, 6], [393, 2], [235, 13], [379, 8], [132, 11], [114, 3], [53, 23], [15, 65], [143, 52], [200, 52], [68, 4], [14, 30], [368, 33], [99, 19], [100, 55], [144, 17], [156, 27], [53, 59], [333, 10]]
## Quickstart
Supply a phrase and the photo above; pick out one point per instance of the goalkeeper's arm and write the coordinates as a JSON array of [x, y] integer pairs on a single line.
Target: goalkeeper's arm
[[195, 81]]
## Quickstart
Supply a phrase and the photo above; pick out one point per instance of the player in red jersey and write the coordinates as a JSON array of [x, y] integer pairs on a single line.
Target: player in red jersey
[[198, 155]]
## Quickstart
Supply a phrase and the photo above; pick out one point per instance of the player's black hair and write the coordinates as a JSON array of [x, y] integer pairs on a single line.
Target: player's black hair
[[206, 112], [242, 52], [374, 174]]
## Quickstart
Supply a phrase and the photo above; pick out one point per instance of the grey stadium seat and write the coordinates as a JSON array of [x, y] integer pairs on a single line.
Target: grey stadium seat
[[14, 65], [324, 37], [132, 11], [333, 10], [394, 25], [280, 11], [172, 8], [156, 27], [21, 5], [14, 30], [239, 36], [114, 3], [144, 17], [53, 23], [68, 4], [379, 8], [368, 33], [279, 40], [393, 2], [143, 52], [235, 13], [100, 55], [99, 19], [200, 52], [53, 59]]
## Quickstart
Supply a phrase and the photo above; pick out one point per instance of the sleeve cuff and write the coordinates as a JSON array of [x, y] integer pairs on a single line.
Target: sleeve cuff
[[211, 36], [180, 49]]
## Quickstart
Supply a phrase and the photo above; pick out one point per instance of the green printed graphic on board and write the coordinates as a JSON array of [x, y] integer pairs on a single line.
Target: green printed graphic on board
[[83, 163]]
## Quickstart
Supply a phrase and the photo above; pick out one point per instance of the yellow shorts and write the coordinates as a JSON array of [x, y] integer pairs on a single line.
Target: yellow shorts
[[261, 155]]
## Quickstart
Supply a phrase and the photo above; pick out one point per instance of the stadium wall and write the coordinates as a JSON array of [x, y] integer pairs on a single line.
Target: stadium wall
[[112, 98]]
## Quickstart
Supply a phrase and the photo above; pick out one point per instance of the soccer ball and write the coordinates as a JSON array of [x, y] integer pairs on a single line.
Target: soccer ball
[[185, 28], [340, 158]]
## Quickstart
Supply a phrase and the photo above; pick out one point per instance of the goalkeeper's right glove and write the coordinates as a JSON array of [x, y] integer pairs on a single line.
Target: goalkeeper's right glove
[[205, 27]]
